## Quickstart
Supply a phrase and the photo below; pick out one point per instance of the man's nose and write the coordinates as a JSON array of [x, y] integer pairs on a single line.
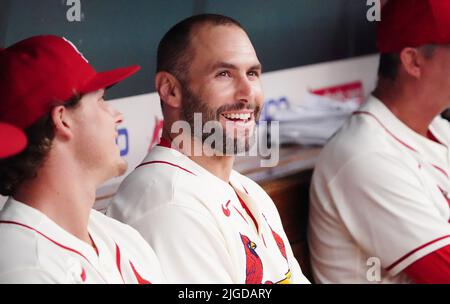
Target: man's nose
[[244, 90]]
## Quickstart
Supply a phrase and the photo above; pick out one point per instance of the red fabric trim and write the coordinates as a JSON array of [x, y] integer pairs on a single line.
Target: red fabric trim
[[433, 268], [40, 233], [83, 275], [248, 211], [431, 136], [140, 279], [264, 241], [445, 196], [414, 251], [118, 264], [244, 189], [163, 142], [94, 245], [237, 210], [440, 170], [399, 140], [166, 163]]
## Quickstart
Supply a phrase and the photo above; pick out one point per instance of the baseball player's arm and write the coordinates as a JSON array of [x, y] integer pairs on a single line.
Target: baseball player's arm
[[188, 244], [387, 209], [433, 268], [28, 276]]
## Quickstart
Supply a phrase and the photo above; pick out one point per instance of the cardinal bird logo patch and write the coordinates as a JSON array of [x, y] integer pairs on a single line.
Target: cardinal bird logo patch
[[254, 266]]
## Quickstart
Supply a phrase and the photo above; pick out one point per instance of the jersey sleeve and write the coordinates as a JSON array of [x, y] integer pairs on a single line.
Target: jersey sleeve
[[188, 244], [433, 268], [388, 210], [28, 276]]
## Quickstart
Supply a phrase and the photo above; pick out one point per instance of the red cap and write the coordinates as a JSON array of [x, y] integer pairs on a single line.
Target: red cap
[[12, 140], [412, 23], [40, 71]]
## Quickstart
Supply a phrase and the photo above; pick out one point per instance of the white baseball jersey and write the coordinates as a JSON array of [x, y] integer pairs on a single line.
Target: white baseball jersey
[[34, 249], [198, 226], [379, 198]]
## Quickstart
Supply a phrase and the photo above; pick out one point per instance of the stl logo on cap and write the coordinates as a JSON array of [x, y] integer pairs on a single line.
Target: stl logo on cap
[[75, 48]]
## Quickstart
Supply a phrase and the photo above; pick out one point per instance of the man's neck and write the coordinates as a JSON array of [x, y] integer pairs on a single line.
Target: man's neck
[[63, 195], [220, 166], [417, 112]]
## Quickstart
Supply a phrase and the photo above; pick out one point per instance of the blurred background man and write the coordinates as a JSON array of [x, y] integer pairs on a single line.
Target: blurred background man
[[380, 191]]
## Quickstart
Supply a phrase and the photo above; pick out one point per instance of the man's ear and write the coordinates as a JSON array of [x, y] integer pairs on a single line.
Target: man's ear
[[169, 89], [63, 122], [412, 61]]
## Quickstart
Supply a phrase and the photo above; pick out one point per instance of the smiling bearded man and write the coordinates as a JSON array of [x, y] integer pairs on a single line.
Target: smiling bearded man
[[216, 138], [206, 222]]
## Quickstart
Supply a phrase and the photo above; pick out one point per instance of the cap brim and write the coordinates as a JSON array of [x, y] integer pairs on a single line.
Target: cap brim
[[12, 140], [107, 79]]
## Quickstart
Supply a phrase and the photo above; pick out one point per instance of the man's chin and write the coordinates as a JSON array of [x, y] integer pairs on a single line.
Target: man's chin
[[239, 146]]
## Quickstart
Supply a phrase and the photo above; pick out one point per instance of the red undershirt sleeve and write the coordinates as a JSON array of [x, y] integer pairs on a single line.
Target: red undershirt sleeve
[[433, 268]]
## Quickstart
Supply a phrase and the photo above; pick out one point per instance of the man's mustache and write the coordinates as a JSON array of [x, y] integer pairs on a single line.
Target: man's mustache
[[238, 107]]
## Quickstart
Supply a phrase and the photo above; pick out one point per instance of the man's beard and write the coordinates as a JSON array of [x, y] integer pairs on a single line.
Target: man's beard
[[192, 104]]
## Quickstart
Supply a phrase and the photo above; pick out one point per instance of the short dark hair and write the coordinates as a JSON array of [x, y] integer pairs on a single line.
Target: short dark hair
[[174, 53], [390, 62], [24, 166]]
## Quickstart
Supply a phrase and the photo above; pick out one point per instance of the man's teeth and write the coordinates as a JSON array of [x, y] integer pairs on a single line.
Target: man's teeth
[[240, 116]]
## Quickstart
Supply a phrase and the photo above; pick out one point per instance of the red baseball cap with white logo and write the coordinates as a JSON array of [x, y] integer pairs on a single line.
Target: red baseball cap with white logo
[[12, 140], [42, 71], [412, 23]]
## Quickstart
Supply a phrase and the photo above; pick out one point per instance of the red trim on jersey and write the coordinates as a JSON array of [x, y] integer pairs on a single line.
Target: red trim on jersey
[[140, 279], [414, 251], [399, 140], [248, 211], [433, 268], [119, 267], [118, 264], [83, 274], [163, 142], [431, 136], [386, 129], [237, 210], [444, 194], [440, 170], [244, 189], [40, 233], [264, 241], [166, 163], [93, 245]]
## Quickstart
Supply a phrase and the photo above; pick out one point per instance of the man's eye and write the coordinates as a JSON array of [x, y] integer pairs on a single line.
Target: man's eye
[[224, 74], [253, 74]]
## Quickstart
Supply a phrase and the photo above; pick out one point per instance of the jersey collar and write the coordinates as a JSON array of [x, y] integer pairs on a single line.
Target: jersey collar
[[34, 220], [400, 131]]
